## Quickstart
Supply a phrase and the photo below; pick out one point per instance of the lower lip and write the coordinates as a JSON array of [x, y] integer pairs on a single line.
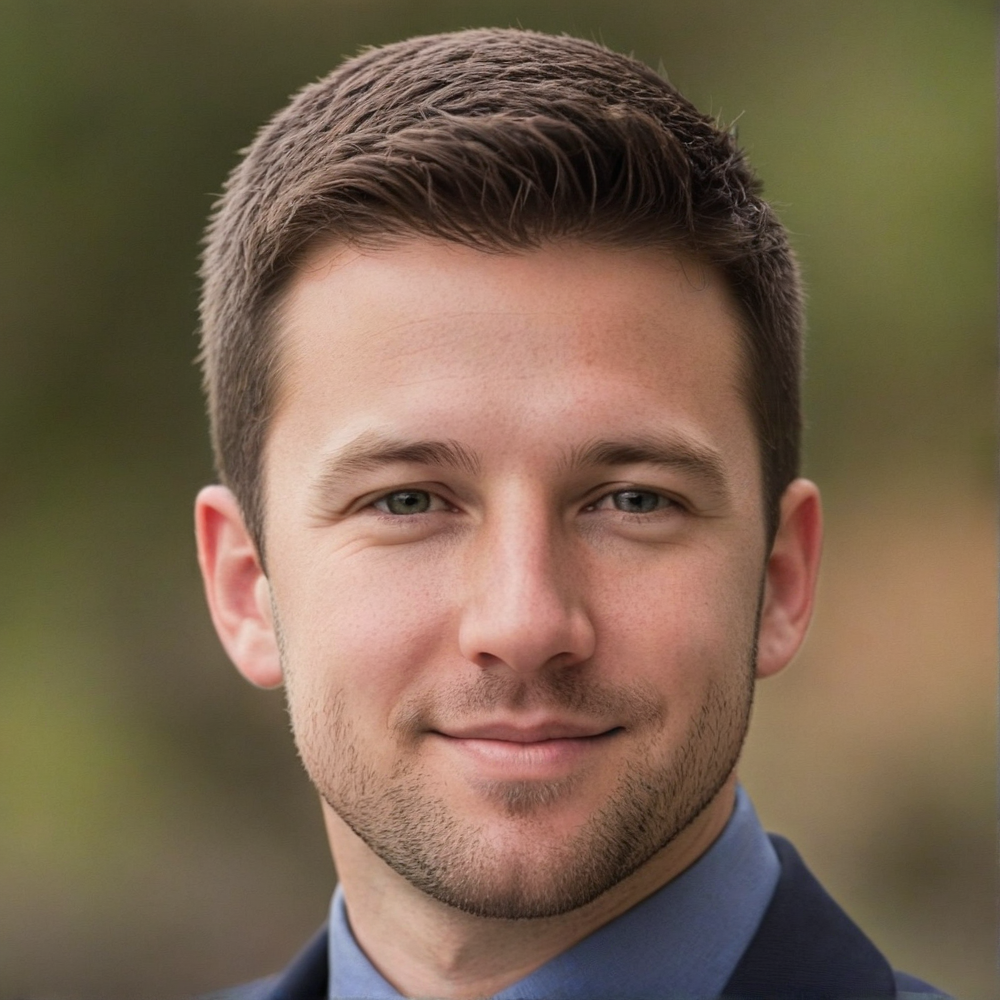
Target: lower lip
[[541, 759]]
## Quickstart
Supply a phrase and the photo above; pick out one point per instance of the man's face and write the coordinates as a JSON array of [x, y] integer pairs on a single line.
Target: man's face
[[515, 550]]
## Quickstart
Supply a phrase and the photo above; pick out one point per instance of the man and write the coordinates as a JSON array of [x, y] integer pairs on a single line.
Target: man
[[502, 351]]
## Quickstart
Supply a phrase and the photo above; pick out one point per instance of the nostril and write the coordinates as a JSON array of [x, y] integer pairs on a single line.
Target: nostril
[[486, 660]]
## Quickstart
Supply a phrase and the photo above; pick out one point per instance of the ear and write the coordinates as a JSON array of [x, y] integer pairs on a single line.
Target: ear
[[239, 597], [790, 580]]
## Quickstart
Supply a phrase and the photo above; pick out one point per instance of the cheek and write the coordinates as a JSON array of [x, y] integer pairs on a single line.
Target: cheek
[[361, 631], [685, 622]]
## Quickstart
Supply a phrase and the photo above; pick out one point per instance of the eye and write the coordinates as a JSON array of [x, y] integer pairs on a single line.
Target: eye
[[405, 502], [635, 502], [639, 501]]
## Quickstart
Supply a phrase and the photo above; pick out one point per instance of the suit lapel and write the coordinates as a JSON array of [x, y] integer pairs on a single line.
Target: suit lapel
[[806, 947]]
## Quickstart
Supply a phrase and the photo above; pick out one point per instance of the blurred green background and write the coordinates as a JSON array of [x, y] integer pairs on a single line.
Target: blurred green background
[[156, 835]]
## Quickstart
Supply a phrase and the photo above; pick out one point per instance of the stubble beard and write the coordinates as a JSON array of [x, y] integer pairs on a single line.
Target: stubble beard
[[518, 875]]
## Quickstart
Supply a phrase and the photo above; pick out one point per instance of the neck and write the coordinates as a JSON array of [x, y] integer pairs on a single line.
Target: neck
[[426, 948]]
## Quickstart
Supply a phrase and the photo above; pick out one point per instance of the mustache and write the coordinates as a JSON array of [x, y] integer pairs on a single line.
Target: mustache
[[565, 693]]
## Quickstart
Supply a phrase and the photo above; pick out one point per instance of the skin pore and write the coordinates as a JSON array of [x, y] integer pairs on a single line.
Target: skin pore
[[516, 568]]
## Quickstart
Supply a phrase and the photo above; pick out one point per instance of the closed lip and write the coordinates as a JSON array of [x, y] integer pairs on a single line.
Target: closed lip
[[537, 733]]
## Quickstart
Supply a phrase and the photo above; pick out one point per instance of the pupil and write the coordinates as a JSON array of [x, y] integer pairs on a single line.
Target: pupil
[[408, 502], [636, 501]]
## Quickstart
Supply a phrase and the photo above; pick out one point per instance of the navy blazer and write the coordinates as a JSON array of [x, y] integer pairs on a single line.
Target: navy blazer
[[806, 948]]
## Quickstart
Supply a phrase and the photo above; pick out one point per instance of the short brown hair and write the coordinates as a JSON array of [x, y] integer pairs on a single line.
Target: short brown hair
[[503, 140]]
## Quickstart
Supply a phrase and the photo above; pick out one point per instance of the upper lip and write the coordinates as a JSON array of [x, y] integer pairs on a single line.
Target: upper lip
[[536, 733]]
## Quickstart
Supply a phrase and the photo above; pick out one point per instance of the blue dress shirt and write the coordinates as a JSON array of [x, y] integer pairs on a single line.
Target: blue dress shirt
[[683, 941]]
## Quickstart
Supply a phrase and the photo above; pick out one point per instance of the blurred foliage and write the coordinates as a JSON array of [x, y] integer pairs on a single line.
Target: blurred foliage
[[156, 836]]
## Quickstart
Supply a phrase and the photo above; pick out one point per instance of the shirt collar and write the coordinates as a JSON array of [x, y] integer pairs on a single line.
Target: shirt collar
[[683, 941]]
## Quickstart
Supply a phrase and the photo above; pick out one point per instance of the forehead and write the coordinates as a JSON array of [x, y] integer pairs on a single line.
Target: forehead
[[549, 345]]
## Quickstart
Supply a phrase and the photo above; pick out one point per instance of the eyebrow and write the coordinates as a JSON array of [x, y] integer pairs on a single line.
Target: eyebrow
[[372, 450], [669, 452]]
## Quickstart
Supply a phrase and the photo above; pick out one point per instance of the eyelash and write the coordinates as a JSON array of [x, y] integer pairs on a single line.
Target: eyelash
[[665, 503]]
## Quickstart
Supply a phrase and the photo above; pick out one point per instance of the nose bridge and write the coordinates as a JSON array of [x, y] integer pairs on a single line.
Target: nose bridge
[[524, 559], [524, 604]]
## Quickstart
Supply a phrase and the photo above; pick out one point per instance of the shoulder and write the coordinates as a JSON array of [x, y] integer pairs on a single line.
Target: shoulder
[[910, 988], [259, 989], [306, 978], [807, 946]]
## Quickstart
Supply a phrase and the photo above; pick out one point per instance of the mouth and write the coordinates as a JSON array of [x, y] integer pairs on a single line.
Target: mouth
[[542, 751], [539, 732]]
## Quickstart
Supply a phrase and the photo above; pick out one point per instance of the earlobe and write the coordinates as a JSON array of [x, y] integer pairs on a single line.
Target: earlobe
[[790, 582], [236, 587]]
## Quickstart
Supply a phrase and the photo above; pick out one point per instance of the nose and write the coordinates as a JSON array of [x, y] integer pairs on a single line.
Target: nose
[[524, 602]]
